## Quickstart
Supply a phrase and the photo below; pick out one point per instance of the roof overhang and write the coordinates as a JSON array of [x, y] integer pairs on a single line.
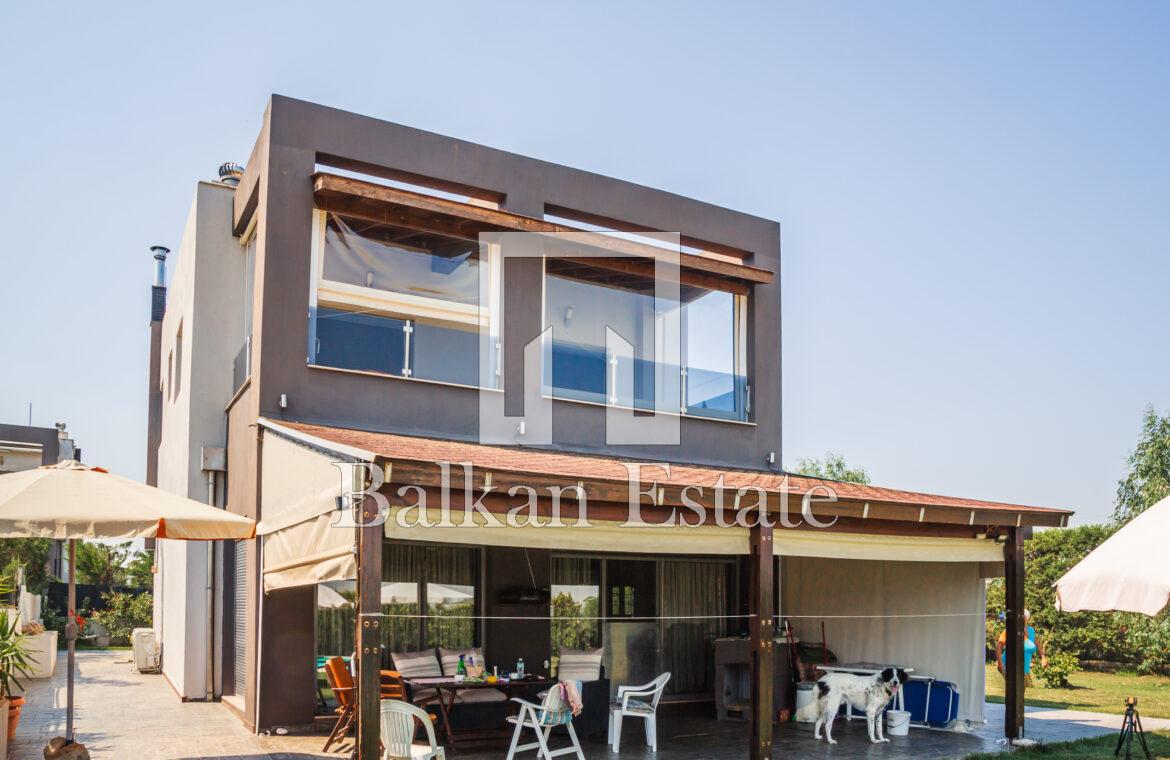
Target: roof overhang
[[606, 483]]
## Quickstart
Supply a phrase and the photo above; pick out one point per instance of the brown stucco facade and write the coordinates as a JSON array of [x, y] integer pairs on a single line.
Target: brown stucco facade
[[275, 198]]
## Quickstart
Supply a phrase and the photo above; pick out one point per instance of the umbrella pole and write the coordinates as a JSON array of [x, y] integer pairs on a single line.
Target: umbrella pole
[[71, 639]]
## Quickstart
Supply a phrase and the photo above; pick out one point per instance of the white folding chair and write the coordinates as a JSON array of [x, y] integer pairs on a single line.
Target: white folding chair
[[637, 702], [553, 711], [398, 725]]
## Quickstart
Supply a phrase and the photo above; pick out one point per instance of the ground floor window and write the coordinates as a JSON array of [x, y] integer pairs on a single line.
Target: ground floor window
[[429, 594], [660, 614]]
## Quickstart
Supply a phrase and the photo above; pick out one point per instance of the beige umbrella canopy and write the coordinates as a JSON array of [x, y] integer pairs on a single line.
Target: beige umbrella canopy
[[71, 500], [1130, 572]]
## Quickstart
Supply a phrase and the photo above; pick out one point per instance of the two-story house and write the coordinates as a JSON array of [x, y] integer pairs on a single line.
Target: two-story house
[[350, 297]]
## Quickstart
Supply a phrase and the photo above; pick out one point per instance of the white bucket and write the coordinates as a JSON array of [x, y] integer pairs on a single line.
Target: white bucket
[[897, 722], [806, 702]]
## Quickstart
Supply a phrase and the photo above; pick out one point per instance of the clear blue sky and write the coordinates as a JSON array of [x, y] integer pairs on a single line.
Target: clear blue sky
[[973, 196]]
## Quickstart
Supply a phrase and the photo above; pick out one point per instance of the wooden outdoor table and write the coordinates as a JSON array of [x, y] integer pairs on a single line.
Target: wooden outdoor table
[[448, 689]]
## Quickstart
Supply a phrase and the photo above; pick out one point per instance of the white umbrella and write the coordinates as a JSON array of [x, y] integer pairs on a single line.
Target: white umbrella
[[329, 599], [70, 500], [1130, 572]]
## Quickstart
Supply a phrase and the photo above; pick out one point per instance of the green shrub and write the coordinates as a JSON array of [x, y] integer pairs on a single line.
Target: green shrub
[[124, 613], [1060, 666]]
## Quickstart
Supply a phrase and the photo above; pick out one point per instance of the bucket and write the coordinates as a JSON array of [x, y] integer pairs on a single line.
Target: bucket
[[805, 702], [897, 722]]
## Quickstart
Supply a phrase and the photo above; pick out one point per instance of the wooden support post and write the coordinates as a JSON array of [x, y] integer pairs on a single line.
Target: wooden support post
[[761, 627], [369, 630], [1013, 558]]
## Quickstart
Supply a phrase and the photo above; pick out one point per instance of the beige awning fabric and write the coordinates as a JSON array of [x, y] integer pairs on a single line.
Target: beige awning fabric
[[71, 500], [835, 545], [299, 486], [1129, 572], [600, 535]]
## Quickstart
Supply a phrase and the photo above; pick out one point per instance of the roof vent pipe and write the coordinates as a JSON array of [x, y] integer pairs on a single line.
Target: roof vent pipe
[[230, 173], [160, 265]]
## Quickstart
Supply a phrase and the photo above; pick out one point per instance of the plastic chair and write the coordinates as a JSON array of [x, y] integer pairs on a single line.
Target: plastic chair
[[637, 702], [398, 726], [542, 718]]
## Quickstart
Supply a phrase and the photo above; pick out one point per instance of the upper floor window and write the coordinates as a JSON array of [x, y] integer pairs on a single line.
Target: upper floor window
[[403, 300], [709, 378]]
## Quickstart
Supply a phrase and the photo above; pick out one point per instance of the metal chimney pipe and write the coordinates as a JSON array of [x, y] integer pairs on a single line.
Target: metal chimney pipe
[[160, 265]]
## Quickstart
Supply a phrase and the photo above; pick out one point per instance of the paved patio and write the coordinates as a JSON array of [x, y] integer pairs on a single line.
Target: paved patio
[[124, 714]]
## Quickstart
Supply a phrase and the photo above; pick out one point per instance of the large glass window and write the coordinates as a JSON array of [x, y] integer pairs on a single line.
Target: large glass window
[[576, 603], [447, 578], [403, 301], [582, 301]]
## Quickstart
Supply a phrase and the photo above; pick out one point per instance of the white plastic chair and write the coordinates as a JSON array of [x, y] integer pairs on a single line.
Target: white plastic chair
[[637, 702], [542, 718], [398, 725]]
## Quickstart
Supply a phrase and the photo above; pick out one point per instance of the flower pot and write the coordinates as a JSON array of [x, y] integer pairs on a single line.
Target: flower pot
[[15, 705]]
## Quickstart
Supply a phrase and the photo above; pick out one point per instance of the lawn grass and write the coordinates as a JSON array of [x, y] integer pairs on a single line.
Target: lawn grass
[[1099, 747], [1097, 692]]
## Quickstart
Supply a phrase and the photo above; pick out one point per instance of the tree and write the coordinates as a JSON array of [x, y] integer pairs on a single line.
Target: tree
[[102, 564], [140, 571], [30, 553], [1148, 480], [833, 467]]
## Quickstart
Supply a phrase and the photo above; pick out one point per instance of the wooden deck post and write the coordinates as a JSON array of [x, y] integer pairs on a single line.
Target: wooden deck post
[[761, 593], [369, 632], [1013, 557]]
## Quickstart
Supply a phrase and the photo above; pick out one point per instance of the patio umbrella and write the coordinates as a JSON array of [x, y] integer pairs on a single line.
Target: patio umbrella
[[70, 500], [1129, 572]]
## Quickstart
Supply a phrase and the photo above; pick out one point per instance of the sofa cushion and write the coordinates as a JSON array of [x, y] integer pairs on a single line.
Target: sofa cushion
[[450, 658], [422, 664], [577, 665]]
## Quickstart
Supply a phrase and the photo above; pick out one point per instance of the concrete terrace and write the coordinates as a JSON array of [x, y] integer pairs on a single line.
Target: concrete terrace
[[124, 714]]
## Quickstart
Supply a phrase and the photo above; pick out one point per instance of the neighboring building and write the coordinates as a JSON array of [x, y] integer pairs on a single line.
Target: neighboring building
[[327, 309], [23, 447]]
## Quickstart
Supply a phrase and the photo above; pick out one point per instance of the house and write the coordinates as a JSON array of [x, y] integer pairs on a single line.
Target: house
[[366, 306], [23, 447]]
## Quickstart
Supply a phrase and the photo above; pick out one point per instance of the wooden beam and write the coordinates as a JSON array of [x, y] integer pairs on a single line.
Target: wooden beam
[[847, 511], [761, 590], [369, 631], [1013, 557], [330, 188]]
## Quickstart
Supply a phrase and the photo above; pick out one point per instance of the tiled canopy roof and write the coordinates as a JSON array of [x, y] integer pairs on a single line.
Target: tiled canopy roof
[[539, 462]]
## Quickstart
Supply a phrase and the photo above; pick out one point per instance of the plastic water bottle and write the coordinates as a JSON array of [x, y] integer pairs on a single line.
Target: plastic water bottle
[[520, 667]]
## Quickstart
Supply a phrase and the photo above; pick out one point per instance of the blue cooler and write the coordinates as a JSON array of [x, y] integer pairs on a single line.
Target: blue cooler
[[931, 702]]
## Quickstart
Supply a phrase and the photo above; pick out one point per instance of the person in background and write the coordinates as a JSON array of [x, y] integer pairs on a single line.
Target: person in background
[[1032, 646]]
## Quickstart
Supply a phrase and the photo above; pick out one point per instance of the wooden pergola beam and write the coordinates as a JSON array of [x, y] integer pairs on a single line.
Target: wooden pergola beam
[[1013, 556], [369, 631], [372, 200], [761, 627]]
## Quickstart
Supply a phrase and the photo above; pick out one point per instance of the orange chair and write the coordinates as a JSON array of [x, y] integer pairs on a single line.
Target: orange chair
[[341, 682]]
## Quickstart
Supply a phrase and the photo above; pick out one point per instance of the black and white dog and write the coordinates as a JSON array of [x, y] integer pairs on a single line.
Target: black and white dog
[[868, 693]]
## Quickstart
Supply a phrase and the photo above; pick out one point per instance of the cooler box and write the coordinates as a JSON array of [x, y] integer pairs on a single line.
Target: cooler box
[[931, 702]]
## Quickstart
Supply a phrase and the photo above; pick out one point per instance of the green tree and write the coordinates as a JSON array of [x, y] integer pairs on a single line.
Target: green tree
[[30, 553], [140, 570], [832, 467], [1148, 480], [102, 564]]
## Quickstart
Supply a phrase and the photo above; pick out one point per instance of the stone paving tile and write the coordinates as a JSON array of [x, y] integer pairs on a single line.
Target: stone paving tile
[[125, 714]]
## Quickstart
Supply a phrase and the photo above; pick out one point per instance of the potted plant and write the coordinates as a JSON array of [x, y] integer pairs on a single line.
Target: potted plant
[[13, 662]]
